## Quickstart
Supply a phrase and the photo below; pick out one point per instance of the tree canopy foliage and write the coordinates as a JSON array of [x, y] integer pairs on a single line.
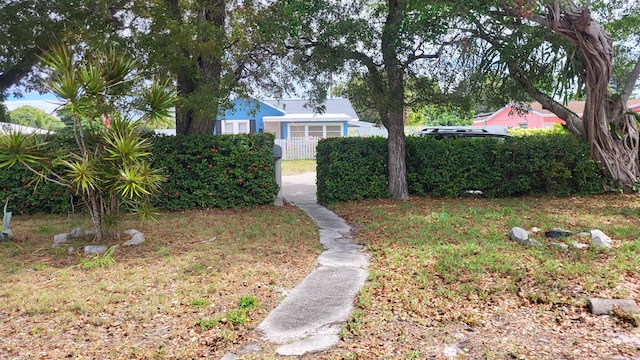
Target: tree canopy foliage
[[559, 50], [392, 56], [30, 116], [30, 27], [210, 48], [213, 49]]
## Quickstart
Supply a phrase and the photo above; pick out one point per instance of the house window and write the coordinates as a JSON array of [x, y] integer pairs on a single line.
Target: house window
[[315, 130], [333, 131], [297, 131], [235, 126]]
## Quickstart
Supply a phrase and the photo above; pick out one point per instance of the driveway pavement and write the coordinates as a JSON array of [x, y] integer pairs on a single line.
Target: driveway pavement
[[311, 316]]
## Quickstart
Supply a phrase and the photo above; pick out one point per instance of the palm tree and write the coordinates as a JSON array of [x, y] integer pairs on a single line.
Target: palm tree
[[108, 163]]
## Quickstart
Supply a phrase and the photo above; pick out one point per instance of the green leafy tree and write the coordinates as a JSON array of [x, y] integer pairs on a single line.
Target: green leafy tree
[[108, 166], [548, 50], [212, 48], [4, 113], [30, 116], [390, 48], [29, 27], [433, 115]]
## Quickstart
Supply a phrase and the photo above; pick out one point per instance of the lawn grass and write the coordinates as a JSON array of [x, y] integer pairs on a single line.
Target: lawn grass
[[198, 285], [442, 273], [296, 167], [447, 265]]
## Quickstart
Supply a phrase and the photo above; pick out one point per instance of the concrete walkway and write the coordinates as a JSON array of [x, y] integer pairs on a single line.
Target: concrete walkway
[[312, 315]]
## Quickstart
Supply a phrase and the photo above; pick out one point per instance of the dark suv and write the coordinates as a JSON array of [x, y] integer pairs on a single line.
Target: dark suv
[[459, 131]]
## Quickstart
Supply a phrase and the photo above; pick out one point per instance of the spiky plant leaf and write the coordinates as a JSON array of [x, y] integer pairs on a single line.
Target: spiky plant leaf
[[17, 147], [92, 80], [116, 69], [131, 183], [157, 102], [123, 143], [83, 174]]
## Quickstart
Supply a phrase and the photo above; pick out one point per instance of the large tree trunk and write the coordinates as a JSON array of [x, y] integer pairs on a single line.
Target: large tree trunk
[[611, 132], [397, 165], [203, 81]]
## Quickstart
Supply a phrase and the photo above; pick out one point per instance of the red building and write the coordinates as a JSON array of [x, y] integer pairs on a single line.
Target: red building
[[533, 116]]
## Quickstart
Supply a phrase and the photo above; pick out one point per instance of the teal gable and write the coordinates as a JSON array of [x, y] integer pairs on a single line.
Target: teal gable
[[245, 116]]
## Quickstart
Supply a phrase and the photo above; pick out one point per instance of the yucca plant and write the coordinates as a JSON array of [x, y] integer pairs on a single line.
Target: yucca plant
[[109, 166]]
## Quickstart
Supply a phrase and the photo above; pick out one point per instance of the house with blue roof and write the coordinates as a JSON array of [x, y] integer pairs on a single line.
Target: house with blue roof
[[287, 119], [245, 116]]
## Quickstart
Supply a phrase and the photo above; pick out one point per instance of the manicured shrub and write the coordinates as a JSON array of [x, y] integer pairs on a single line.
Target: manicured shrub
[[27, 196], [452, 167], [202, 171], [207, 171], [556, 164], [351, 169], [547, 163]]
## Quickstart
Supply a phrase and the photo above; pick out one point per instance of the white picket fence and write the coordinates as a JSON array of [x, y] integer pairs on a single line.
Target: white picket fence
[[298, 148]]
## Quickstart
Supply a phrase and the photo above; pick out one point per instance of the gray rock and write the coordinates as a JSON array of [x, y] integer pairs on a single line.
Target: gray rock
[[60, 239], [518, 234], [136, 239], [630, 339], [71, 250], [584, 234], [132, 232], [76, 233], [603, 306], [579, 246], [531, 242], [535, 230], [95, 249], [90, 232], [560, 246], [230, 356], [453, 351], [249, 348], [600, 239]]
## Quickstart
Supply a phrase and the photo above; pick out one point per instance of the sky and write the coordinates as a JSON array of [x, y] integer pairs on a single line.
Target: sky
[[46, 102]]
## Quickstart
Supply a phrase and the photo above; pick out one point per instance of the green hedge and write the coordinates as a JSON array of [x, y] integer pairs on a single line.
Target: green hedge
[[351, 169], [556, 164], [206, 171], [451, 167], [27, 196], [202, 171]]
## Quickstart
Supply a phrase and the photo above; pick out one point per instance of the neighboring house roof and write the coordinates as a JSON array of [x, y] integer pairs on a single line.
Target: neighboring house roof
[[513, 114], [308, 118], [301, 106], [6, 128], [578, 107], [242, 108], [365, 124]]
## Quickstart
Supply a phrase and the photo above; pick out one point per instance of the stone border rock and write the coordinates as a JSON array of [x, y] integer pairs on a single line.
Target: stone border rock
[[522, 236], [604, 306], [60, 240]]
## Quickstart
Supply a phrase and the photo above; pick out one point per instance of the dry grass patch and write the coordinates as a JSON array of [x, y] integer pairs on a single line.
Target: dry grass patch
[[445, 279], [195, 267]]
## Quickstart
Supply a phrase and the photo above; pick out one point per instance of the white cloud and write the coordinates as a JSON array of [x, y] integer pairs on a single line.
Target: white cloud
[[49, 106]]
